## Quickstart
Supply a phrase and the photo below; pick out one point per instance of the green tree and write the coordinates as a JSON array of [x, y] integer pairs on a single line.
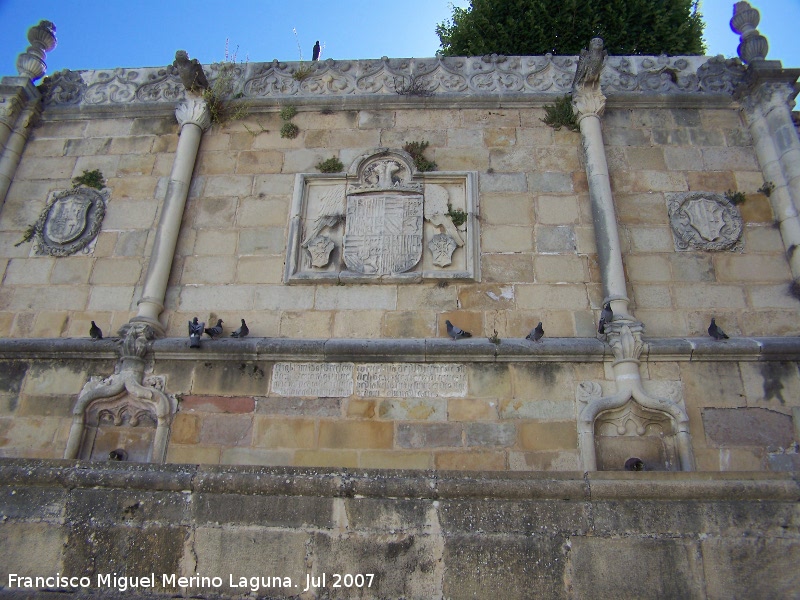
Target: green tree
[[535, 27]]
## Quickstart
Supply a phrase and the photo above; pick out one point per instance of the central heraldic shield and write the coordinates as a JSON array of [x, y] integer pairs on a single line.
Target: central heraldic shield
[[383, 232]]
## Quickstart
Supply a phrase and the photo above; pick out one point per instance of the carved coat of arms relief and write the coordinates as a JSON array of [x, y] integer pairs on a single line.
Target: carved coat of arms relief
[[704, 221], [382, 222], [70, 222]]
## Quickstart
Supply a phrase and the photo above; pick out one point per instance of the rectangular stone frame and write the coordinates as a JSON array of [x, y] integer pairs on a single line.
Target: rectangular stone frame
[[472, 272]]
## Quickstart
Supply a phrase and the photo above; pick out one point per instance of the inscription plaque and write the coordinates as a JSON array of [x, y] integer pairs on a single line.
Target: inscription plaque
[[374, 380], [325, 380], [404, 380]]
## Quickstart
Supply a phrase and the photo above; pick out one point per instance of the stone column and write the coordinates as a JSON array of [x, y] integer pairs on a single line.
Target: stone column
[[624, 333], [194, 118], [15, 144], [766, 94], [777, 146], [588, 102]]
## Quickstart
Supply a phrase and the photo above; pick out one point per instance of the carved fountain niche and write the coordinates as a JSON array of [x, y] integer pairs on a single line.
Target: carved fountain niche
[[635, 431], [125, 416], [640, 420], [383, 221]]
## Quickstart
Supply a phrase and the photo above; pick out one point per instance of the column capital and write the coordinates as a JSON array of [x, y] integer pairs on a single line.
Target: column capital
[[767, 85], [588, 101], [193, 110]]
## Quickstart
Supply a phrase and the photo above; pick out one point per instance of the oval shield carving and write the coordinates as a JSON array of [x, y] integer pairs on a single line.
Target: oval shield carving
[[704, 221], [70, 222]]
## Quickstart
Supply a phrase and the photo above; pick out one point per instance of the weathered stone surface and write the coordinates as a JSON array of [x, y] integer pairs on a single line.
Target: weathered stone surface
[[751, 568], [747, 427], [241, 553], [44, 545], [477, 566], [428, 435], [355, 434], [633, 568]]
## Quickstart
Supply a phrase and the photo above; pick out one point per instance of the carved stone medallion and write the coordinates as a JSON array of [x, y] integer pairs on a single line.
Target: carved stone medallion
[[704, 221], [442, 247], [70, 222]]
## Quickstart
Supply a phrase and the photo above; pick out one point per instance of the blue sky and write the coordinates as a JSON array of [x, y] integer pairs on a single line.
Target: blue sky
[[102, 34]]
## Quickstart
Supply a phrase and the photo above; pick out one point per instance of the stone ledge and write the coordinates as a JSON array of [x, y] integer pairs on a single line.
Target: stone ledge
[[411, 349], [382, 483]]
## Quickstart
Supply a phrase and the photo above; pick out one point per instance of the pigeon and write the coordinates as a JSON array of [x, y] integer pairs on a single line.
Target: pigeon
[[95, 332], [215, 330], [195, 333], [456, 332], [536, 333], [316, 51], [242, 331], [606, 316], [715, 332], [634, 464]]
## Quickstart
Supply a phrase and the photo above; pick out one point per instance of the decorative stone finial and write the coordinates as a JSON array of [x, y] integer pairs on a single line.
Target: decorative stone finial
[[42, 38], [753, 45]]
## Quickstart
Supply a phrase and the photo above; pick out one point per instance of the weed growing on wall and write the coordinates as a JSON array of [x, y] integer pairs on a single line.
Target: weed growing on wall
[[288, 129], [416, 149], [93, 179], [560, 114], [219, 95], [735, 197], [332, 165]]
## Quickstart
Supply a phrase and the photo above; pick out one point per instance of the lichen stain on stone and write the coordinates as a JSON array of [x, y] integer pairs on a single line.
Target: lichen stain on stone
[[11, 375], [253, 371], [395, 549], [773, 374], [547, 372]]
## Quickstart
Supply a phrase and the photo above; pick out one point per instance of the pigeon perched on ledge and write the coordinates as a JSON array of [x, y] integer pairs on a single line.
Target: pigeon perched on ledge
[[242, 331], [536, 333], [606, 316], [95, 332], [195, 333], [216, 330], [456, 332], [715, 332], [315, 52]]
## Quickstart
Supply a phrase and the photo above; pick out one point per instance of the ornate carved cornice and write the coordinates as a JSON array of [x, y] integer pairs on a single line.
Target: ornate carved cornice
[[511, 77]]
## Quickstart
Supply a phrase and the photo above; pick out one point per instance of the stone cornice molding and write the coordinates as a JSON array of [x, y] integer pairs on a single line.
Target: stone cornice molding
[[412, 350], [462, 79], [379, 483]]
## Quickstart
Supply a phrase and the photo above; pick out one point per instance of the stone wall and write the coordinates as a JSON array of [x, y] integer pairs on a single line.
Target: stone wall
[[421, 535], [46, 296], [507, 407], [538, 256]]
